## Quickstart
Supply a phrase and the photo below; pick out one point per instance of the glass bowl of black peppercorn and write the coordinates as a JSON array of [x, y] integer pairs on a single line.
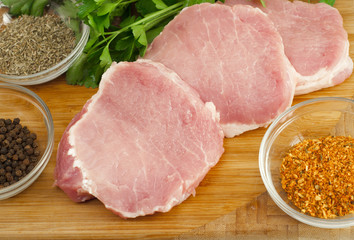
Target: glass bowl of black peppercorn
[[38, 49], [26, 138]]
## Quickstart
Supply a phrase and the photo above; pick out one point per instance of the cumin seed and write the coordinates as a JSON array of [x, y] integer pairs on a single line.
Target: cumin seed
[[30, 44]]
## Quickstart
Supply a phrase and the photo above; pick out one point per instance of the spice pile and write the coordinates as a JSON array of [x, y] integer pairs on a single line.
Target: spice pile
[[19, 151], [30, 44], [318, 176]]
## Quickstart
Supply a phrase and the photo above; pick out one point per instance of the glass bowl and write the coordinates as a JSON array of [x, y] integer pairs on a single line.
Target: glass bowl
[[19, 102], [82, 33], [311, 119]]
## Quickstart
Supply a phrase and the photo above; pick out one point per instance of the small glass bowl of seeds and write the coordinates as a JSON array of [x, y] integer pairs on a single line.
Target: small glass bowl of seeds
[[35, 50], [26, 138], [306, 162]]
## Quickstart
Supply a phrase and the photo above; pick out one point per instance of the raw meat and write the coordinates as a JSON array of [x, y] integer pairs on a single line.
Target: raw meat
[[314, 39], [233, 57], [142, 144]]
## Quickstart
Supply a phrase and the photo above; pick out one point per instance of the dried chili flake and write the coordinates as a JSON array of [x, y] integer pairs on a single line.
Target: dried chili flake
[[318, 176]]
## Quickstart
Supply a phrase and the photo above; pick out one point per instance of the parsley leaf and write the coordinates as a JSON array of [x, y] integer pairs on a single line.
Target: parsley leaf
[[329, 2], [28, 7]]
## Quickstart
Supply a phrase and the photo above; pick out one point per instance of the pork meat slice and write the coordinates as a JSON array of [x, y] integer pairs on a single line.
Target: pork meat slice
[[314, 39], [233, 57], [141, 144]]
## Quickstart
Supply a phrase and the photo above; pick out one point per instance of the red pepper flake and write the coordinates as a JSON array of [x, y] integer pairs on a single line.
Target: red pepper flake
[[318, 176]]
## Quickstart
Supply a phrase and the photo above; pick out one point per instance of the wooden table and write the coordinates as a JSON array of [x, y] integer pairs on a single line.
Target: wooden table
[[44, 212]]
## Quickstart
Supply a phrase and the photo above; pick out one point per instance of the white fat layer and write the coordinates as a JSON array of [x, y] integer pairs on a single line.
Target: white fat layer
[[165, 208], [234, 129], [324, 77], [86, 183], [211, 107]]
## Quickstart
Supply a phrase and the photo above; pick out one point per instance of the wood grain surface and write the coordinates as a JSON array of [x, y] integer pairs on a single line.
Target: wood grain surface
[[44, 212], [262, 219]]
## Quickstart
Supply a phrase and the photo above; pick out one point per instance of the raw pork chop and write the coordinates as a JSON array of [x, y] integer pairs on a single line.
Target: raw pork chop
[[314, 39], [142, 144], [234, 57]]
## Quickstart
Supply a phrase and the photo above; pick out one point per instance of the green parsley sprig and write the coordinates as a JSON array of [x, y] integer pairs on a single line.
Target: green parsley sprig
[[329, 2], [27, 7]]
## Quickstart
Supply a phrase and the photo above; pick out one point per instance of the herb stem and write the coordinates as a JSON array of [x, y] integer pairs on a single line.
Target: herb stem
[[162, 17], [150, 18]]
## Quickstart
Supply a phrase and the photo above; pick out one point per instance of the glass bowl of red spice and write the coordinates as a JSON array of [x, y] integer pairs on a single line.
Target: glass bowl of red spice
[[306, 162], [26, 138], [35, 50]]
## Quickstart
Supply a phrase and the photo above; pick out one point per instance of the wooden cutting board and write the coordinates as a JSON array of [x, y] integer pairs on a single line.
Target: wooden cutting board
[[262, 219], [44, 212]]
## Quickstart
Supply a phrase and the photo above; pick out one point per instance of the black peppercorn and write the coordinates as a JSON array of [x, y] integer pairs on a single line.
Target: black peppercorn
[[6, 143], [9, 128], [16, 148], [18, 151], [18, 173], [36, 152], [9, 155], [3, 130], [29, 141], [16, 121], [8, 169], [9, 177], [23, 167], [33, 136], [7, 163], [26, 162], [3, 150], [14, 163], [25, 130], [18, 128], [21, 156], [29, 149], [15, 157], [30, 167]]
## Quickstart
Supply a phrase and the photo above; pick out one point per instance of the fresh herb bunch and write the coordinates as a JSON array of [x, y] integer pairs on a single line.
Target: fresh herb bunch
[[27, 7]]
